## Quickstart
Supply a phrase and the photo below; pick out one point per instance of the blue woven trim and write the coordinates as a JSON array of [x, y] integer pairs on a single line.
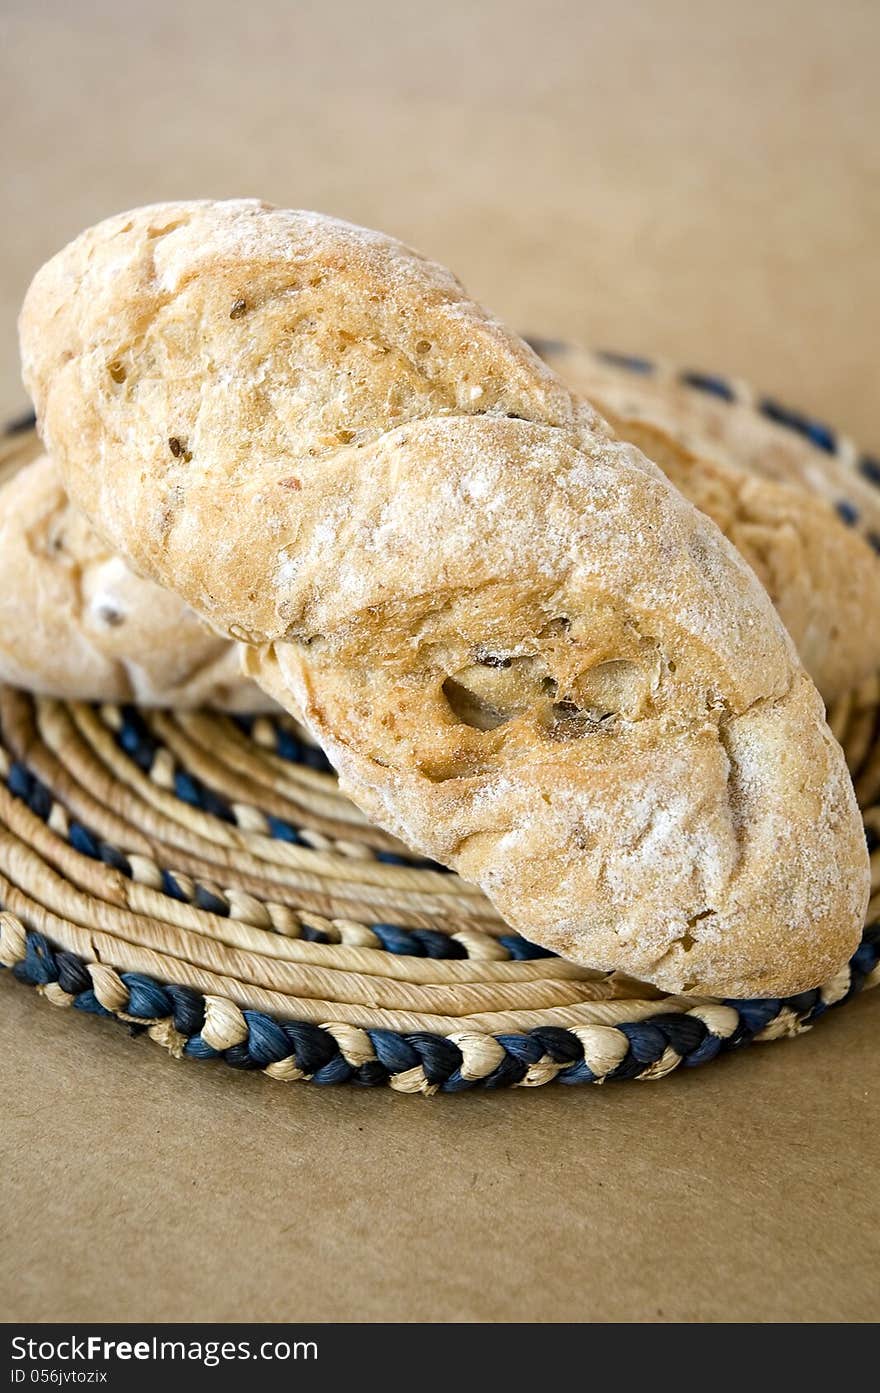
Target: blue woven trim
[[287, 746], [711, 383], [134, 739], [870, 468], [20, 425], [822, 436], [847, 512], [543, 345], [315, 1051], [392, 938], [630, 361]]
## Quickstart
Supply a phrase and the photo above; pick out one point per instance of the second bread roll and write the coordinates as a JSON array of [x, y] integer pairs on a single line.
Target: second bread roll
[[77, 623]]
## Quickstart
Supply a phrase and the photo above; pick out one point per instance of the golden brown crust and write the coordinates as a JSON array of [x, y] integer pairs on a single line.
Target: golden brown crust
[[77, 623], [525, 652], [822, 576]]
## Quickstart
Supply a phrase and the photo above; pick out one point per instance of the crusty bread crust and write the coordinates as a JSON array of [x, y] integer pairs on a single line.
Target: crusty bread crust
[[126, 640], [76, 622], [524, 651], [822, 576]]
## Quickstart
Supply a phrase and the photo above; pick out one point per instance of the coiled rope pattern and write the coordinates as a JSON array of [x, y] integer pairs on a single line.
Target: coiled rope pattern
[[193, 1026]]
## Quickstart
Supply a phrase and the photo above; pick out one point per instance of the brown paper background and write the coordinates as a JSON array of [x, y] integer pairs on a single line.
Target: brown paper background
[[694, 181]]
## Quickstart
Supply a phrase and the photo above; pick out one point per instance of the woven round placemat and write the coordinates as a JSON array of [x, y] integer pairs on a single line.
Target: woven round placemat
[[201, 878]]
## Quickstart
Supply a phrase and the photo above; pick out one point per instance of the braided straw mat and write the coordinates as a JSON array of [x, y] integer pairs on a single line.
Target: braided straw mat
[[201, 878]]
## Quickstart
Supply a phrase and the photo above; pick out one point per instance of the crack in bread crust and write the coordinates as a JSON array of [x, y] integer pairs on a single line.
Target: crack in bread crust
[[374, 526]]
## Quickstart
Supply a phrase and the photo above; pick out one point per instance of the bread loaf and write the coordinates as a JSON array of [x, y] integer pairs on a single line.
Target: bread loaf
[[133, 643], [524, 651], [76, 622]]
